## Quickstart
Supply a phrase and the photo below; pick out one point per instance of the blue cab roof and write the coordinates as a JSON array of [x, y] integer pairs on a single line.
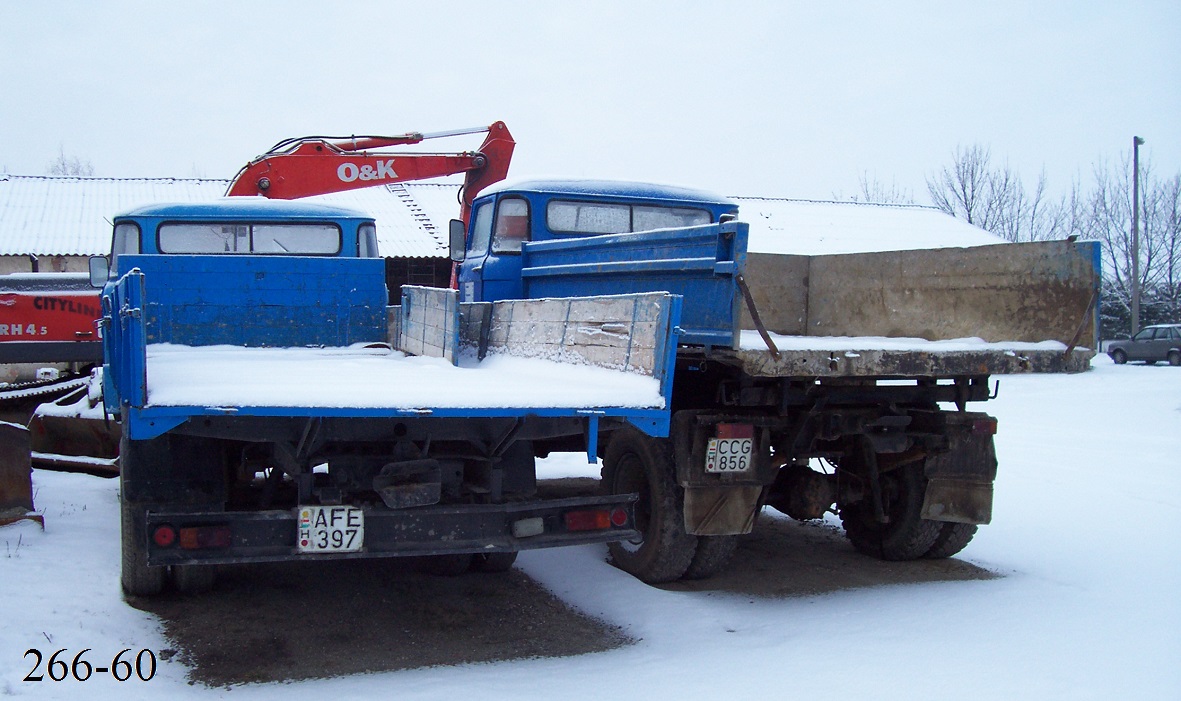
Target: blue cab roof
[[233, 208], [610, 188]]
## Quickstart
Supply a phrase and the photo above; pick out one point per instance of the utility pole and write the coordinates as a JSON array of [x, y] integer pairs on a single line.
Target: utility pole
[[1136, 142]]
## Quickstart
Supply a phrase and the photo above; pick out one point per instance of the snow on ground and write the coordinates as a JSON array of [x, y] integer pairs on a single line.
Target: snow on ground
[[1088, 504]]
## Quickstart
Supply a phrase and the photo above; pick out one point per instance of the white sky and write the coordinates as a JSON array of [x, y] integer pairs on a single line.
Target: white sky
[[783, 99]]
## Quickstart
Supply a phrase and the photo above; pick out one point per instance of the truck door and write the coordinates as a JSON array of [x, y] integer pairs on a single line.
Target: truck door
[[492, 268], [471, 270]]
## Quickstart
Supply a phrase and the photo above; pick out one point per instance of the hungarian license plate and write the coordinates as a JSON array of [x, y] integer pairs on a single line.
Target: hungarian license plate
[[729, 454], [330, 529]]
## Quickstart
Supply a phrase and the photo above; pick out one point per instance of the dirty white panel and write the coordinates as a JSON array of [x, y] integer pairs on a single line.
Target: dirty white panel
[[430, 322], [623, 332]]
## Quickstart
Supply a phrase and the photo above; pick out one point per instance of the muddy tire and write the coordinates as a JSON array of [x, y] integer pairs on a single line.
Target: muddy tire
[[493, 562], [713, 553], [1119, 357], [953, 537], [636, 463], [193, 579], [1175, 358], [138, 579], [907, 535]]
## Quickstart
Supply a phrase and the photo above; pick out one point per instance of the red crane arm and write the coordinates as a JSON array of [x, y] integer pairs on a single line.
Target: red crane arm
[[309, 166]]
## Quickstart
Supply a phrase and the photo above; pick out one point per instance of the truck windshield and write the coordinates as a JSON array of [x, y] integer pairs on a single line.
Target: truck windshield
[[612, 218], [274, 239]]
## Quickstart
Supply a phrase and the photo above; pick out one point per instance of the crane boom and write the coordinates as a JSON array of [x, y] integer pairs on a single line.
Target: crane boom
[[315, 165]]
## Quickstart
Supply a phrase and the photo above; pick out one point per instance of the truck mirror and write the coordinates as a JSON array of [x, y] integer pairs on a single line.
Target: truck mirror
[[458, 240], [99, 270]]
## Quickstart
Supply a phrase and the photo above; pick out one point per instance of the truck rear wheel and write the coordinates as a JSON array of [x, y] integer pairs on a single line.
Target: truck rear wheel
[[953, 537], [906, 535], [636, 463], [137, 577], [713, 553]]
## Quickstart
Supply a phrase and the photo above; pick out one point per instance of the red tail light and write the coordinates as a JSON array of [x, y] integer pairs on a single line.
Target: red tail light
[[164, 536], [202, 537], [726, 431], [588, 520]]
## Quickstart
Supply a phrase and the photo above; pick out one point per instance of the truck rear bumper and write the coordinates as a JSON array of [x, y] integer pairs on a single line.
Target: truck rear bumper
[[270, 536]]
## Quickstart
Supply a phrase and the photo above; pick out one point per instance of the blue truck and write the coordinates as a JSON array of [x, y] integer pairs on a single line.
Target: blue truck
[[274, 407]]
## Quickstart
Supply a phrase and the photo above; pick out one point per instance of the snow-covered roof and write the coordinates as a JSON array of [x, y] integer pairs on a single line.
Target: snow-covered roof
[[72, 216], [50, 215], [808, 227]]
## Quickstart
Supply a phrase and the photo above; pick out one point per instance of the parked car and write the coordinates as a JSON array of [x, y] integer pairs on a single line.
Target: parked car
[[1152, 343]]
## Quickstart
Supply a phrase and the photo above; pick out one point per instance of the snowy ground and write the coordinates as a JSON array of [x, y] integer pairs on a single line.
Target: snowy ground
[[1086, 606]]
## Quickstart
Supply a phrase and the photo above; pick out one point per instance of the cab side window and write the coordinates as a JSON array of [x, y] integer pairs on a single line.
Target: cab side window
[[481, 229], [512, 225]]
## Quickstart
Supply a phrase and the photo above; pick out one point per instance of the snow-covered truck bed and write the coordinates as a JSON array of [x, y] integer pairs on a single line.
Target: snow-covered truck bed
[[275, 408], [188, 349], [1000, 309]]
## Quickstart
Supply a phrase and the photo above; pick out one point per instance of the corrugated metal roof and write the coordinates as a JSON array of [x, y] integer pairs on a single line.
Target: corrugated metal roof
[[402, 230], [51, 215], [71, 216]]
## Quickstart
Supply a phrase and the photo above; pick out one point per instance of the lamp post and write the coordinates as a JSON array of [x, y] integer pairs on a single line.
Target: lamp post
[[1136, 142]]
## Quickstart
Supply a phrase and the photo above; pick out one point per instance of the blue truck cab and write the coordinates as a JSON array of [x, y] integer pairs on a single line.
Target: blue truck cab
[[508, 215], [237, 226]]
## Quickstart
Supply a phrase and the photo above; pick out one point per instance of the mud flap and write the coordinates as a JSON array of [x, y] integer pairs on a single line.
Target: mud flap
[[718, 504], [721, 510], [959, 482], [958, 501]]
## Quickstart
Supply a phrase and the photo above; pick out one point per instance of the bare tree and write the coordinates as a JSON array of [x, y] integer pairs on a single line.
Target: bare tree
[[964, 188], [1109, 219], [995, 198], [70, 165], [873, 190]]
